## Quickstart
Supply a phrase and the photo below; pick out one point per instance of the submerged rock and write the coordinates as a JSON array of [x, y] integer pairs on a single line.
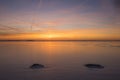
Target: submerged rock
[[94, 66], [37, 66]]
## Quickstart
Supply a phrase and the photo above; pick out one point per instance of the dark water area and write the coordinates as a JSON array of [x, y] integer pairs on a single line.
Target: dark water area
[[62, 60]]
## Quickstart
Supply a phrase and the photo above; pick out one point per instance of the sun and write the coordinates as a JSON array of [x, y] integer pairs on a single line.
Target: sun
[[51, 36]]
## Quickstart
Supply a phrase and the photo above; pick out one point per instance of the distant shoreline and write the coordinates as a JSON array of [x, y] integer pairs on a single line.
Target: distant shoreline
[[54, 40]]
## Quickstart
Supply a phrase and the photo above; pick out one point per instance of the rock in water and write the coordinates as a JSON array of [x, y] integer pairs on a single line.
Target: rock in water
[[37, 66], [94, 66]]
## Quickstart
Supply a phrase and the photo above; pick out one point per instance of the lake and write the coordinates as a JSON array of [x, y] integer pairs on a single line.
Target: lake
[[63, 60]]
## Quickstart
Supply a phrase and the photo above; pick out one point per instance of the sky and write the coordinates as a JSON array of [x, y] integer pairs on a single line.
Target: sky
[[60, 19]]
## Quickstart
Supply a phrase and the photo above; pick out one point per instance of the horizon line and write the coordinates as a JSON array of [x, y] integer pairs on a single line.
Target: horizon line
[[57, 40]]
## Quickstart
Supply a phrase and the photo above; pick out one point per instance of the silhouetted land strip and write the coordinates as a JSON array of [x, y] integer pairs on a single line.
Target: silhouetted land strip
[[54, 40]]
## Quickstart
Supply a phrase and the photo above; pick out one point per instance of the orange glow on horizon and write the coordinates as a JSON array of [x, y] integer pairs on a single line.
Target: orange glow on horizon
[[63, 35], [50, 36]]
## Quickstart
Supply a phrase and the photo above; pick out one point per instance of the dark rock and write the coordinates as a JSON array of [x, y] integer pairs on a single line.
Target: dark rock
[[94, 66], [37, 66]]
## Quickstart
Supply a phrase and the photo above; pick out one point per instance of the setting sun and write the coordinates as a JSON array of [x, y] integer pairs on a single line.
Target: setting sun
[[51, 36]]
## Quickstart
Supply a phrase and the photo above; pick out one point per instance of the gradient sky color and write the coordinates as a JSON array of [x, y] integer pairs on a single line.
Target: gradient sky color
[[60, 19]]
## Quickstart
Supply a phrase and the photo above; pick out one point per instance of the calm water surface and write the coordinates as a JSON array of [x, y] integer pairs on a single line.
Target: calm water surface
[[63, 60]]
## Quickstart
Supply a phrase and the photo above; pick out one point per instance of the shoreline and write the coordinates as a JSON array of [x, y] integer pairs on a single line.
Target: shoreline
[[59, 40]]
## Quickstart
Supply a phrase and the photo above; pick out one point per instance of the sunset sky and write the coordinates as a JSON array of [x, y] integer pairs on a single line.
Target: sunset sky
[[60, 19]]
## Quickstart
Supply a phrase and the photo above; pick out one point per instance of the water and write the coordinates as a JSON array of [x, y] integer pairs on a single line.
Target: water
[[63, 60]]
